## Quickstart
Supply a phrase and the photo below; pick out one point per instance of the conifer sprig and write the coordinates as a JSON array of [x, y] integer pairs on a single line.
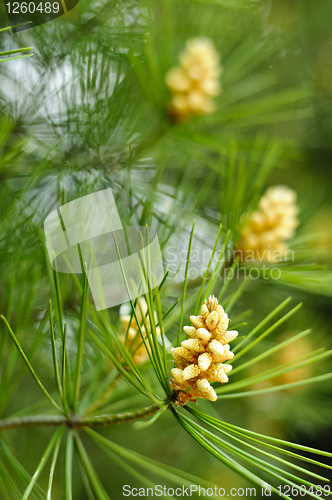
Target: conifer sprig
[[7, 55]]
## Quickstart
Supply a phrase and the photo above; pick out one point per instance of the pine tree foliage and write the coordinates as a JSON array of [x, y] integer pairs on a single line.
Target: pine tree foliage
[[8, 55]]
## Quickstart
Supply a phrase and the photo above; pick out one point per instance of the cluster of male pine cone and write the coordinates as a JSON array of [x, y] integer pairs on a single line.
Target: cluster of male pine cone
[[200, 359], [195, 82]]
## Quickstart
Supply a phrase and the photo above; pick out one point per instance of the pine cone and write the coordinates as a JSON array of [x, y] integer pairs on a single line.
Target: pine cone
[[199, 359], [194, 83], [274, 222]]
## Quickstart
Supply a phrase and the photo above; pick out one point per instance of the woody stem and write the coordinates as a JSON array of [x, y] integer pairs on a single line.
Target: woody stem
[[76, 421]]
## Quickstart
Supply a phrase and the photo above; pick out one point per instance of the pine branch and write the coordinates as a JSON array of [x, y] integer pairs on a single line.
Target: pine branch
[[76, 421]]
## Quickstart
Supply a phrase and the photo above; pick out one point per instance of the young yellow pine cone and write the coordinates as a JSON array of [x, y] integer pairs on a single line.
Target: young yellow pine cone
[[200, 358], [195, 82], [193, 345], [197, 322], [137, 346], [181, 353], [204, 361], [269, 227], [206, 390]]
